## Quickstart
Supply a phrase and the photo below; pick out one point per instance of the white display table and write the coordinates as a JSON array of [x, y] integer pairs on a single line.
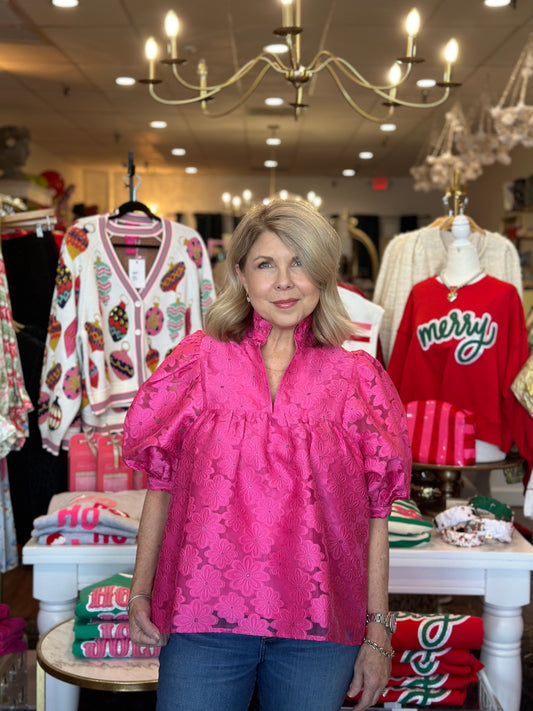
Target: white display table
[[499, 573]]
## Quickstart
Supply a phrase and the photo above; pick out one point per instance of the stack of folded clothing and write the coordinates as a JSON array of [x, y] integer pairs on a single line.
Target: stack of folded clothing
[[433, 663], [407, 526], [11, 632], [90, 517], [101, 628]]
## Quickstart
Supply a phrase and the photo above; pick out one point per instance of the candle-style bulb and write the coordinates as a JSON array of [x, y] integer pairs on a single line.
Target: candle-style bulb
[[172, 24], [451, 52], [395, 74], [412, 23], [151, 49]]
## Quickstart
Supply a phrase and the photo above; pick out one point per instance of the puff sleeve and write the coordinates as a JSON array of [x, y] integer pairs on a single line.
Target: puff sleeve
[[375, 417], [167, 403]]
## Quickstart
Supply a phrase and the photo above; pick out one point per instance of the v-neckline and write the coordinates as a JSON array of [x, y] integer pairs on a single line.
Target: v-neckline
[[111, 253]]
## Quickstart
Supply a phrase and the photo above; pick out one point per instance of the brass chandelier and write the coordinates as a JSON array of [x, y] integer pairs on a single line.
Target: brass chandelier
[[295, 72]]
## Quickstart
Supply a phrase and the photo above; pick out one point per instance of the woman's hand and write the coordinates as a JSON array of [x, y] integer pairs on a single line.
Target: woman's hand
[[142, 630], [371, 674]]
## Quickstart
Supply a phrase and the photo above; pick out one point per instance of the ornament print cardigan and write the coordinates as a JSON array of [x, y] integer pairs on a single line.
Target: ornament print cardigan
[[105, 336]]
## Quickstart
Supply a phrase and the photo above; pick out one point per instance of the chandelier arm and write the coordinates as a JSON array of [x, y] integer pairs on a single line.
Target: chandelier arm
[[181, 102], [243, 98], [412, 105], [323, 58], [239, 74], [350, 101]]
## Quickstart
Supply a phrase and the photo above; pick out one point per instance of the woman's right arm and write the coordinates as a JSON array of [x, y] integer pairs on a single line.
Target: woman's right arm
[[155, 510]]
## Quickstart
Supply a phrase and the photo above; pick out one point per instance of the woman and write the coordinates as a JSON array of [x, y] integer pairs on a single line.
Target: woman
[[273, 458]]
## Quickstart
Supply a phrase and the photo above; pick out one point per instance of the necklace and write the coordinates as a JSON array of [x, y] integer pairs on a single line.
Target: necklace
[[452, 290]]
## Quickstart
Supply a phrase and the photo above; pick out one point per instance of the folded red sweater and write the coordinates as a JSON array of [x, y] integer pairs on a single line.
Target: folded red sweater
[[436, 631], [435, 681], [422, 662], [425, 697]]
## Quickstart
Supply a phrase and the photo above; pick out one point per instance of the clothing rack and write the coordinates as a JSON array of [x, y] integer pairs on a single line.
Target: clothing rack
[[132, 181], [37, 220]]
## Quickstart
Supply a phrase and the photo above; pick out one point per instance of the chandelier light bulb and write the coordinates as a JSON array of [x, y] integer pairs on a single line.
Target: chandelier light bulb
[[395, 74], [412, 23], [451, 51], [388, 127], [247, 195], [283, 194], [236, 202], [172, 24], [273, 141], [151, 49], [226, 199], [271, 164], [311, 196], [497, 3]]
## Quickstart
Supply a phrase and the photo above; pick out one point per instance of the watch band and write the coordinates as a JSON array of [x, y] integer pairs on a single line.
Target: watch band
[[388, 620]]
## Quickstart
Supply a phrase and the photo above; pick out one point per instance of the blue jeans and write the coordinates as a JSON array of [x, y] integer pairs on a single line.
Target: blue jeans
[[219, 670]]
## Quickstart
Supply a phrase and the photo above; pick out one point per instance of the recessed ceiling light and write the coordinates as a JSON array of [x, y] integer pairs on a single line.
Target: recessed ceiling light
[[366, 155], [158, 124], [178, 151], [388, 127], [426, 83], [191, 169], [276, 48], [271, 164], [65, 3], [125, 81], [348, 172], [497, 3], [273, 141], [274, 101]]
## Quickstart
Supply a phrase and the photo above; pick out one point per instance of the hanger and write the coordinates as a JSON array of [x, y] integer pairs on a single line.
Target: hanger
[[457, 193], [447, 222], [133, 206]]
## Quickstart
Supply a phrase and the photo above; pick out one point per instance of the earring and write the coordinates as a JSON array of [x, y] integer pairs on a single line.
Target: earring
[[247, 298]]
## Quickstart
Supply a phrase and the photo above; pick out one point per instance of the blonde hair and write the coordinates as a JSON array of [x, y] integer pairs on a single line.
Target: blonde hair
[[301, 228]]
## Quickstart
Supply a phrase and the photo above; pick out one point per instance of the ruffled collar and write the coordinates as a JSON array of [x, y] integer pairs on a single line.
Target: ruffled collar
[[260, 328]]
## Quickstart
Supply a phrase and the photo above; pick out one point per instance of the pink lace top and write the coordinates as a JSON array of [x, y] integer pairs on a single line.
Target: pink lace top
[[267, 529]]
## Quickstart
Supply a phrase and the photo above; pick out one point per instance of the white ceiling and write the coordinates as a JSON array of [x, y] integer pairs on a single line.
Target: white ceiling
[[58, 69]]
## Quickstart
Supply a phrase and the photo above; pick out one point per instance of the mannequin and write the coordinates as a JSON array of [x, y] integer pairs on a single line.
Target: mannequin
[[463, 267], [462, 262]]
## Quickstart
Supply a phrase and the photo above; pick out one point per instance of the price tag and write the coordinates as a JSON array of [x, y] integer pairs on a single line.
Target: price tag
[[137, 272]]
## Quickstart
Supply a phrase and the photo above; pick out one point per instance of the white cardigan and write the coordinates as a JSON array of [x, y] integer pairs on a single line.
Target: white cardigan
[[106, 336]]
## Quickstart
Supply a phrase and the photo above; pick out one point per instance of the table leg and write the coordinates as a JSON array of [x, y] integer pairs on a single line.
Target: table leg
[[52, 613], [59, 695], [501, 653], [40, 700]]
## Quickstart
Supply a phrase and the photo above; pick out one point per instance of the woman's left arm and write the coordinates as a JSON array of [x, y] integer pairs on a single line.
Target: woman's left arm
[[372, 668]]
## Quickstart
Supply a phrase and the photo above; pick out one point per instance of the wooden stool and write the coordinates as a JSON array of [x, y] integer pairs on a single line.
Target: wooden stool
[[54, 656]]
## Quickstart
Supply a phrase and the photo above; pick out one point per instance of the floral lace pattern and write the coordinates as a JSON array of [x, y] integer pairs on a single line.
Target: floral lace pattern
[[267, 528]]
